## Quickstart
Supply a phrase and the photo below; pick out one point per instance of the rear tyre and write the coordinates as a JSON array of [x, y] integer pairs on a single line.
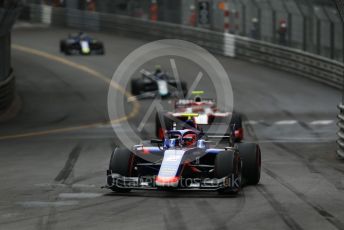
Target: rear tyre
[[67, 50], [236, 122], [122, 163], [137, 87], [228, 164], [184, 88], [102, 50], [251, 157], [159, 129], [62, 46]]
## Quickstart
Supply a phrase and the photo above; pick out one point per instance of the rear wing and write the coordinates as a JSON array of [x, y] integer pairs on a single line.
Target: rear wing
[[185, 103]]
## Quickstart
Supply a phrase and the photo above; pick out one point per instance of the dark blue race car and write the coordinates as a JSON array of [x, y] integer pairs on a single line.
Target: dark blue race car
[[81, 44], [184, 160]]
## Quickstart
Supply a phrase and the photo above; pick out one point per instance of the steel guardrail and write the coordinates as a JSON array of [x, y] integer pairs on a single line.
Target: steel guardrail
[[340, 133], [295, 61], [312, 66], [308, 65]]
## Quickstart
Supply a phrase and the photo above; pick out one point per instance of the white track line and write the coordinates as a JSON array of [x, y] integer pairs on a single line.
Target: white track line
[[291, 122], [81, 195], [286, 122], [58, 185], [295, 140], [251, 122], [42, 204], [322, 122]]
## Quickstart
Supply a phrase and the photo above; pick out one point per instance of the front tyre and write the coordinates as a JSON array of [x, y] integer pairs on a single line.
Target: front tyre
[[251, 158], [122, 163], [228, 164]]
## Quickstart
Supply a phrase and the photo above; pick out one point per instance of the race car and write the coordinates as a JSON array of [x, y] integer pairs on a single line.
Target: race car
[[184, 160], [209, 117], [81, 44], [157, 84]]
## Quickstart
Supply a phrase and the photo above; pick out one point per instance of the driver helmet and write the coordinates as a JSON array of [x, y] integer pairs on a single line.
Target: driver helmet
[[198, 99], [158, 69], [191, 139]]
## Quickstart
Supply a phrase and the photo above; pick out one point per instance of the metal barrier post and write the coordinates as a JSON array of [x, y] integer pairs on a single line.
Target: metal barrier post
[[318, 36], [343, 55], [304, 34], [259, 35], [274, 40], [289, 23], [332, 35], [332, 40], [310, 26], [289, 32], [243, 15], [340, 141], [226, 23], [304, 25]]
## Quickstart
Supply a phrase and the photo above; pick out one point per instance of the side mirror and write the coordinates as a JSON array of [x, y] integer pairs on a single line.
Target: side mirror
[[157, 141]]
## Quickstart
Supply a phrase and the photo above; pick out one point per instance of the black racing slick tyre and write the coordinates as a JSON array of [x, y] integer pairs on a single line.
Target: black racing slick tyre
[[122, 163], [236, 124], [137, 87], [236, 120], [62, 46], [251, 157], [184, 88], [228, 164], [159, 129], [101, 49]]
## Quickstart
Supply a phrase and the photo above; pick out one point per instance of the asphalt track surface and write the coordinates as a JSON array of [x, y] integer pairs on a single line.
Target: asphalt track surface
[[55, 152]]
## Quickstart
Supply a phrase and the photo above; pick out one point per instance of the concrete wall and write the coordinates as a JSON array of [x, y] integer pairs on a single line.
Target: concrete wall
[[7, 19], [5, 56], [8, 16]]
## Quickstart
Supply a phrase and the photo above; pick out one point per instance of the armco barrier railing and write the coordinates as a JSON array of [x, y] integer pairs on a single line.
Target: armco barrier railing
[[295, 61], [312, 66], [7, 92], [340, 133]]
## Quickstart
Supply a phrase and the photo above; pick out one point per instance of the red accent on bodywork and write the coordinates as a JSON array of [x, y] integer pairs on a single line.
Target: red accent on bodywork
[[193, 169], [239, 133], [166, 180], [146, 151], [161, 133]]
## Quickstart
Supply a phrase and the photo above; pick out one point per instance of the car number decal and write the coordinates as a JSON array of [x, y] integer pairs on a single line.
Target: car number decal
[[85, 47], [202, 119], [162, 86], [170, 164]]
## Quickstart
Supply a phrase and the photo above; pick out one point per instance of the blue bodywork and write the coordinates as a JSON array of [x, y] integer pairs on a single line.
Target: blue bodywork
[[180, 161], [176, 143], [80, 37]]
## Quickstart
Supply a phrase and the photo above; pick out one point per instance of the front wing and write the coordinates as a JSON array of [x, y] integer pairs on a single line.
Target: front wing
[[189, 184]]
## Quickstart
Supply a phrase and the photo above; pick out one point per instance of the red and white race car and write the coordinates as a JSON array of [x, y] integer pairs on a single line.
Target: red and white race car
[[205, 115]]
